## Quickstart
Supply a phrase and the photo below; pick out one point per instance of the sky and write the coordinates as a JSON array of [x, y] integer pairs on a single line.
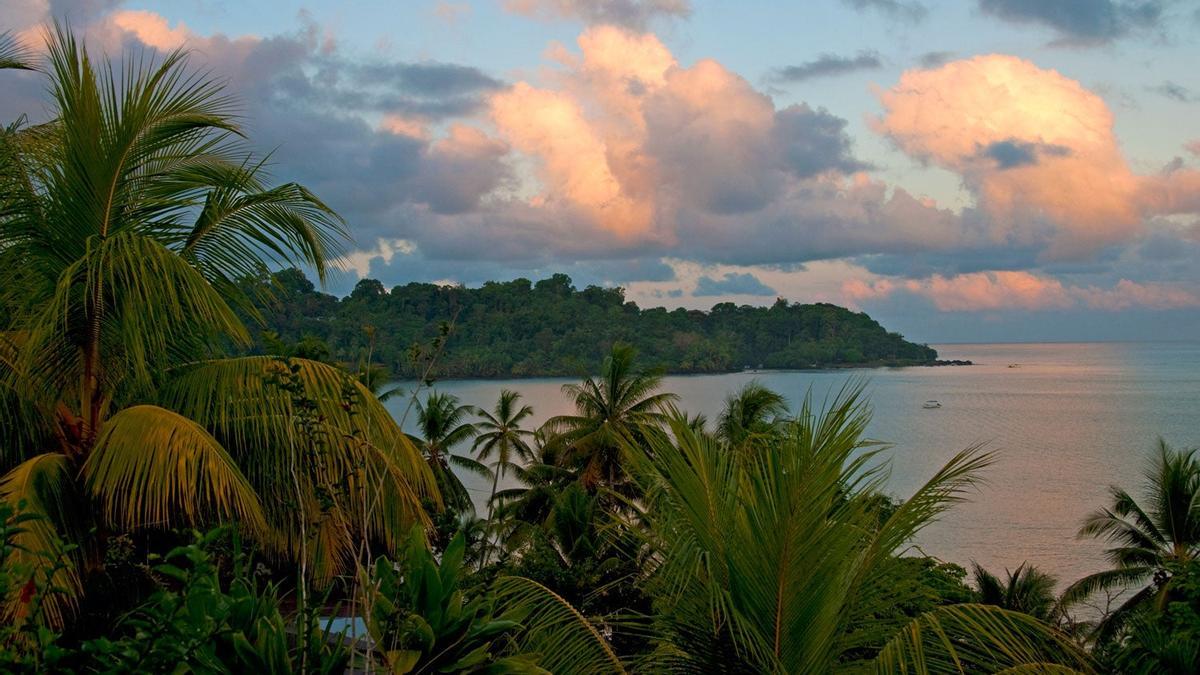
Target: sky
[[966, 170]]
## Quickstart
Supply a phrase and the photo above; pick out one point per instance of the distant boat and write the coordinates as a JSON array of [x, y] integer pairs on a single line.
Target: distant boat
[[931, 404], [1014, 365]]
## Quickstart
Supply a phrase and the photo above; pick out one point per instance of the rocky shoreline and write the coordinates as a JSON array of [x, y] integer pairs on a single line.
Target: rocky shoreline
[[950, 362]]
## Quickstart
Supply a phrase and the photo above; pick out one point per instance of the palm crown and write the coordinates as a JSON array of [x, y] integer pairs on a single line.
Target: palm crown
[[125, 223], [1025, 589], [751, 412], [609, 409], [500, 432], [443, 424], [1148, 541], [774, 562]]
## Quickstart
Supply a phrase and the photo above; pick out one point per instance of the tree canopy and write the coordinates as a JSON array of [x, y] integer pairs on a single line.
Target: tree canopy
[[521, 328]]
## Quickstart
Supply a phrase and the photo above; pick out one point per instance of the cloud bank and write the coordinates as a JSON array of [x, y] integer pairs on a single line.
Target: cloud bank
[[622, 164], [1036, 148], [1009, 290]]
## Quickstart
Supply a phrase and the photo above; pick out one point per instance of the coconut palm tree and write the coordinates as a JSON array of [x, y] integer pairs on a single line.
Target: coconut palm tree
[[750, 413], [440, 419], [618, 405], [125, 223], [521, 509], [1027, 589], [500, 434], [1148, 541], [772, 563]]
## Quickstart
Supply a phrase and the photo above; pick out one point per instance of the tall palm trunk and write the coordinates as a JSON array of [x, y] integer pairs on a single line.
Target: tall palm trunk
[[89, 398], [487, 549]]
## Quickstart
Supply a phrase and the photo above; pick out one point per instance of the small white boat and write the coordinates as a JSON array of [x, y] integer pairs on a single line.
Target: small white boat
[[931, 404]]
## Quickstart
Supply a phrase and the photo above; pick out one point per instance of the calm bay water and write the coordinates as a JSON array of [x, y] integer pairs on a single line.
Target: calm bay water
[[1066, 423]]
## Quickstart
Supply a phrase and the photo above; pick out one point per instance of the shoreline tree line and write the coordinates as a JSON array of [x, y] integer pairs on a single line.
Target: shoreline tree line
[[548, 328]]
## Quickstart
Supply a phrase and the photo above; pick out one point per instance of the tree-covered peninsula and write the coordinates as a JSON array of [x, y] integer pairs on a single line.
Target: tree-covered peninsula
[[521, 328]]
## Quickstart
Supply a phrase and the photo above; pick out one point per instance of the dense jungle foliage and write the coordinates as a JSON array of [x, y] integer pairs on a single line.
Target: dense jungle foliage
[[523, 329]]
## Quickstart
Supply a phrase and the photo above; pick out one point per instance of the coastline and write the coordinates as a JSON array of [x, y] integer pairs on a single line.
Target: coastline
[[829, 367]]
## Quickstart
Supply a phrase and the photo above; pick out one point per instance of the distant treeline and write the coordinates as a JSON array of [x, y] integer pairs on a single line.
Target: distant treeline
[[525, 329]]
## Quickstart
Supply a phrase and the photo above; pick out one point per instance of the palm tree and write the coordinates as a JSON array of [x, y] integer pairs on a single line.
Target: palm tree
[[617, 406], [441, 421], [500, 433], [1148, 542], [1028, 590], [772, 562], [751, 413], [521, 510], [125, 224]]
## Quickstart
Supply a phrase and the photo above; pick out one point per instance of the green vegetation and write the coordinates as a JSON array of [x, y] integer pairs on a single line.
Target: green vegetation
[[1151, 542], [124, 225], [169, 503], [523, 329]]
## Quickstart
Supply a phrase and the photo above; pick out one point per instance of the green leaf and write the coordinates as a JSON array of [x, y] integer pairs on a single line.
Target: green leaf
[[552, 627], [43, 487], [155, 468]]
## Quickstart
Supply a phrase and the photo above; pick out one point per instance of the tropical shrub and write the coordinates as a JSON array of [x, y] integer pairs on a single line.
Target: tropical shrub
[[199, 623], [199, 620], [1164, 642], [420, 621]]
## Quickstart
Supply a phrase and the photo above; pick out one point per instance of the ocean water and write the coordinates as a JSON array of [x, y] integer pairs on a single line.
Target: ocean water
[[1067, 422]]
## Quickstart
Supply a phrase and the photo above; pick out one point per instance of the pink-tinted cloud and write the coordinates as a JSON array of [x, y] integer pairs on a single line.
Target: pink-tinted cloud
[[110, 31], [451, 12], [459, 168], [1173, 191], [1008, 290], [152, 29], [1037, 149], [991, 290], [405, 125], [618, 150], [1126, 294], [641, 147], [574, 167]]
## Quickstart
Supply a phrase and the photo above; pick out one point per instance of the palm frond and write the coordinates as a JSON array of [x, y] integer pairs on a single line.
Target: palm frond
[[979, 638], [1110, 525], [947, 487], [354, 451], [159, 307], [244, 224], [154, 468], [25, 423], [13, 55], [471, 465], [1116, 579], [44, 487], [565, 641]]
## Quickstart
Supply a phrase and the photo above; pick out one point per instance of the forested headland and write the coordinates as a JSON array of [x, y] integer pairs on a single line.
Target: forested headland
[[521, 328]]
